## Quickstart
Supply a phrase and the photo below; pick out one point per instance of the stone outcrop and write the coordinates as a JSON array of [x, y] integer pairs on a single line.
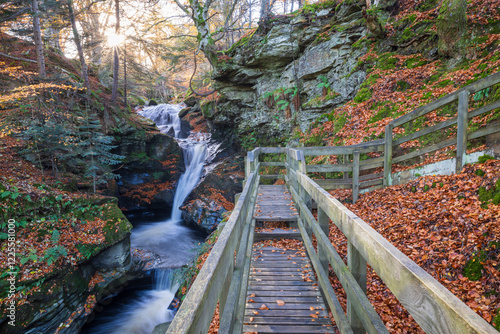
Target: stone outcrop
[[310, 55], [214, 196], [152, 165], [64, 293]]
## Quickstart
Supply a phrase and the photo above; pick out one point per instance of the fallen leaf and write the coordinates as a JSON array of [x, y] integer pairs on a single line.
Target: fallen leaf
[[280, 302]]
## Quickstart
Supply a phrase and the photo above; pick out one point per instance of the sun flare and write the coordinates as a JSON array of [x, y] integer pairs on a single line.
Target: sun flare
[[115, 40]]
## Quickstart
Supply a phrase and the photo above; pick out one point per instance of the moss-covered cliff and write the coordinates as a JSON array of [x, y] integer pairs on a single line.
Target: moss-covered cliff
[[323, 75]]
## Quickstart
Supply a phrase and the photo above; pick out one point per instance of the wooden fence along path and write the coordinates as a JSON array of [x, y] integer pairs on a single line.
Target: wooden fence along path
[[240, 275]]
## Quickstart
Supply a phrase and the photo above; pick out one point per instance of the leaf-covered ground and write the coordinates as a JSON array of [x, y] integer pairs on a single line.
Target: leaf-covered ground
[[55, 229], [441, 224]]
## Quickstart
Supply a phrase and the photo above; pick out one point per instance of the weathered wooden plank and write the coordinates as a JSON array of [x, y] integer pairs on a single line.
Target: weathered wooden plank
[[388, 154], [324, 282], [256, 289], [329, 168], [435, 308], [326, 150], [447, 99], [494, 128], [268, 150], [277, 312], [297, 277], [240, 308], [286, 320], [259, 274], [482, 84], [484, 109], [278, 282], [296, 329], [425, 131], [289, 306], [272, 176], [371, 163], [272, 164], [355, 177], [371, 183], [421, 111], [258, 265], [425, 150], [268, 293], [228, 303], [286, 299], [277, 235], [357, 267]]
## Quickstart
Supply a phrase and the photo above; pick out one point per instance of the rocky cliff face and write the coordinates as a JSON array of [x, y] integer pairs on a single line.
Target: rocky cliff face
[[289, 73], [152, 165]]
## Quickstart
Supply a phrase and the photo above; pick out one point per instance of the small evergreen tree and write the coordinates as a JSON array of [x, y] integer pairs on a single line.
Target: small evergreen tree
[[96, 148]]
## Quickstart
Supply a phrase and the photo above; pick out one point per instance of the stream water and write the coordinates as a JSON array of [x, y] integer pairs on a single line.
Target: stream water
[[144, 303]]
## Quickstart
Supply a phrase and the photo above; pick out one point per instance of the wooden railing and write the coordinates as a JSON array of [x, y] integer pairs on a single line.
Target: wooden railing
[[463, 114], [434, 307]]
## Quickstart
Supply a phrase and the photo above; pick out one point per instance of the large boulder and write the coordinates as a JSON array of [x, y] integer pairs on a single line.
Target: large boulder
[[214, 196]]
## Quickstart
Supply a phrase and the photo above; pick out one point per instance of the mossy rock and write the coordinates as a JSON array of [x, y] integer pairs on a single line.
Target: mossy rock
[[117, 226]]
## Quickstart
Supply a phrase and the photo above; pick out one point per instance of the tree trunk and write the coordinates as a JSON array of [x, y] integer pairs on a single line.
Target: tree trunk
[[452, 28], [249, 13], [116, 61], [37, 36], [85, 75], [264, 10]]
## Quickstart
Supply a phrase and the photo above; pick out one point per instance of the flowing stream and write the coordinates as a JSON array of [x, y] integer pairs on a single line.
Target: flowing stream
[[170, 240]]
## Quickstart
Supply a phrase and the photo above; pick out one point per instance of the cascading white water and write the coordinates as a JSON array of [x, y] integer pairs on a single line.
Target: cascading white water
[[166, 117], [170, 240]]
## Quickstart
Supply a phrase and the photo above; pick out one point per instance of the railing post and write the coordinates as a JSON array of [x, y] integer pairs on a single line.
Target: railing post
[[249, 164], [303, 169], [462, 121], [388, 155], [323, 221], [357, 266], [344, 158], [355, 176]]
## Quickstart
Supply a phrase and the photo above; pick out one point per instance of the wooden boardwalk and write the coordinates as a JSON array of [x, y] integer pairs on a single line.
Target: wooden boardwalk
[[283, 295], [274, 203]]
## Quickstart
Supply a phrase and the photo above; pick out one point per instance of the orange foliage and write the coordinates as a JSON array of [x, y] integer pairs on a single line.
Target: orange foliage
[[439, 229]]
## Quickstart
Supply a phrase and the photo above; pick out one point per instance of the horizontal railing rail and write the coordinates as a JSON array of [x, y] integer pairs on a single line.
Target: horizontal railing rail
[[434, 307], [461, 120]]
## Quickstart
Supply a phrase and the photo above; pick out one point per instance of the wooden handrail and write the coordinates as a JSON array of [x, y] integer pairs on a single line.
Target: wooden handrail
[[434, 307]]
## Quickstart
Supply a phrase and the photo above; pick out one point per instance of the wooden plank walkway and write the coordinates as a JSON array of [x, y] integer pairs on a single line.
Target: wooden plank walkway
[[283, 295], [274, 203]]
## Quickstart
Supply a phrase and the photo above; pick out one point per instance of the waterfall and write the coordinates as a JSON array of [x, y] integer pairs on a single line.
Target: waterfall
[[170, 240]]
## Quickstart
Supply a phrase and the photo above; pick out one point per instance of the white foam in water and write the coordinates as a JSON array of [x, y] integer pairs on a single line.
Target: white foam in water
[[142, 316], [170, 240]]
